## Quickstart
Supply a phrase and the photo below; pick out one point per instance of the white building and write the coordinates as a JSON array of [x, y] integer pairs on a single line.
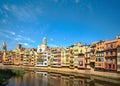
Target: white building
[[43, 56]]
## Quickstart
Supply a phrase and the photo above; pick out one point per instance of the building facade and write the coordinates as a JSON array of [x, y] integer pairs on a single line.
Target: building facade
[[92, 55], [71, 57], [111, 54], [82, 59], [99, 55], [76, 50], [43, 54], [55, 57], [118, 58]]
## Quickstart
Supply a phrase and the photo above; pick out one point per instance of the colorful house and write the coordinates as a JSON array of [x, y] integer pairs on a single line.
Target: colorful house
[[76, 51], [63, 63], [99, 55], [18, 57], [82, 59], [71, 57], [87, 57], [43, 54], [111, 54], [29, 57], [92, 55], [67, 57], [55, 57], [118, 58]]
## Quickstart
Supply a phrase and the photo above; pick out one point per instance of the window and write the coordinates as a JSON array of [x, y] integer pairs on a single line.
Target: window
[[118, 54], [109, 66], [45, 63], [118, 59], [111, 45], [81, 63], [111, 53], [106, 53], [67, 59], [106, 46], [118, 66], [101, 59], [80, 51], [111, 60], [40, 50], [107, 60]]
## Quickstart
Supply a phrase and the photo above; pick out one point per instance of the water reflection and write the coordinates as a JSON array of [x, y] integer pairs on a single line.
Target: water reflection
[[50, 79]]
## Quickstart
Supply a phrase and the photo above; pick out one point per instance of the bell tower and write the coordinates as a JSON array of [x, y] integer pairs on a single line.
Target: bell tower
[[4, 47], [44, 41]]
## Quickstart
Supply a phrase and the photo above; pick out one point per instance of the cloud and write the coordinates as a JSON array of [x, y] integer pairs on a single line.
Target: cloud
[[55, 1], [26, 12], [7, 33], [90, 8], [11, 32], [4, 21], [24, 43], [1, 11], [4, 35], [77, 1], [6, 7], [51, 39], [19, 38]]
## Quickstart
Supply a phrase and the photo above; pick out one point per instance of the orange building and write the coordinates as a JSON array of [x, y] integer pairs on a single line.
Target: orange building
[[99, 55]]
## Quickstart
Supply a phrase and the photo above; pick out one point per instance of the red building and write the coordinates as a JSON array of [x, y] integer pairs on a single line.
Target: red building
[[111, 54]]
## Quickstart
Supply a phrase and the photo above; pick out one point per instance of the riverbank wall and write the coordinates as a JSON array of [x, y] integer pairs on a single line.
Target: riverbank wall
[[67, 71]]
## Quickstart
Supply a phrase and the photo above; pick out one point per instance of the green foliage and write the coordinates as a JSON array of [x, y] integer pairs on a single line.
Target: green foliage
[[18, 72], [6, 74]]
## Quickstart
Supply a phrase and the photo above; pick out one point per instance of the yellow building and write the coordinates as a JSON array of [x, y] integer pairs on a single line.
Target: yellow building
[[71, 57], [17, 56], [78, 49], [65, 56], [55, 57], [29, 57]]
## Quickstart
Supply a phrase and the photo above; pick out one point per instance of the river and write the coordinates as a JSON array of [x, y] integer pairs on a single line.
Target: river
[[52, 79]]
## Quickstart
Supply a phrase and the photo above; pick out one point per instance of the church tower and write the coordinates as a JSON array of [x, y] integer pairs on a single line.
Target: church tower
[[4, 47], [44, 41], [4, 50]]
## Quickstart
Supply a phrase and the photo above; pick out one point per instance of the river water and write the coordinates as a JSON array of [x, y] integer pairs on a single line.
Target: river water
[[51, 79]]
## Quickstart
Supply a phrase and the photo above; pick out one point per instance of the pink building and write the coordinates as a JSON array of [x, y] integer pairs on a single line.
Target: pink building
[[111, 54]]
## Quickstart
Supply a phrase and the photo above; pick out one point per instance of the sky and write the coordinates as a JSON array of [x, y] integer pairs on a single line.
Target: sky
[[62, 22]]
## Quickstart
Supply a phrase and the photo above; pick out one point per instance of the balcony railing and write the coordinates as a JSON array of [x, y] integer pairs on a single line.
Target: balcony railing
[[111, 55], [110, 48]]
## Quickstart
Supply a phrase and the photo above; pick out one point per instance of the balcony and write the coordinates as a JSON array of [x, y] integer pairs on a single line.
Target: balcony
[[99, 65], [100, 50], [92, 59], [110, 48], [114, 55]]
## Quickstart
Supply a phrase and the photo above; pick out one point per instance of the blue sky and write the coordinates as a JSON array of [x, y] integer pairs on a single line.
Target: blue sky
[[62, 22]]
